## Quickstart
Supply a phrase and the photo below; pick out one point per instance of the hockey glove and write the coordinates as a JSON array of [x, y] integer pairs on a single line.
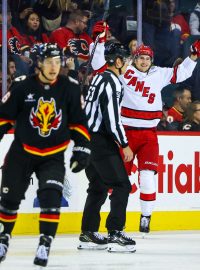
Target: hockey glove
[[102, 28], [80, 158], [195, 48]]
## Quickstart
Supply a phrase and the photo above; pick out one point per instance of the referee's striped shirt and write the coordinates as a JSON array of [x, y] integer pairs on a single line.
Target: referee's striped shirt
[[102, 106]]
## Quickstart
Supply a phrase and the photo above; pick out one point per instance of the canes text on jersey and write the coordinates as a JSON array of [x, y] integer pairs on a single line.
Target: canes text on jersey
[[139, 86]]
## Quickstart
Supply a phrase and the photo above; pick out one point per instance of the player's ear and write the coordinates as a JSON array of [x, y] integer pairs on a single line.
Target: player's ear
[[118, 62]]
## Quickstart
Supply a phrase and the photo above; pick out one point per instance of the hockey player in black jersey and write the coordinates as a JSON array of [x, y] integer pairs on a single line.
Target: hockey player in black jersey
[[47, 113], [106, 169]]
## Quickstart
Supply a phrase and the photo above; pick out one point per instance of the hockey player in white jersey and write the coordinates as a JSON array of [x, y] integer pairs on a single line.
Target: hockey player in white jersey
[[141, 112]]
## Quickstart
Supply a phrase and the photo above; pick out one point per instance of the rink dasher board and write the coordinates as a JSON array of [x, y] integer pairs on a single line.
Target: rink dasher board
[[178, 187]]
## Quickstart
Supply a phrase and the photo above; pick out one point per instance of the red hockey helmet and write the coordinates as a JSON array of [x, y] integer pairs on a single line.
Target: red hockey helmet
[[144, 50]]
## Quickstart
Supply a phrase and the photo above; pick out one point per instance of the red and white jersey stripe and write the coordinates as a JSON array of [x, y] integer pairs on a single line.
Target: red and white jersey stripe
[[142, 103]]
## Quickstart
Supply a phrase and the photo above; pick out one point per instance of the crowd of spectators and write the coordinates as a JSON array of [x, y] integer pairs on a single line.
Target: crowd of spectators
[[167, 28]]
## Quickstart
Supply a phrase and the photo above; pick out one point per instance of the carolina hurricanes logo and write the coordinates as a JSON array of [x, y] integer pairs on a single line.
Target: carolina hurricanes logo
[[14, 45], [78, 47], [45, 118]]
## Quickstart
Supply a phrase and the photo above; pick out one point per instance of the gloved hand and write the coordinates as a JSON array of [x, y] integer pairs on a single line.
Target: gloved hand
[[80, 158], [195, 48], [102, 28]]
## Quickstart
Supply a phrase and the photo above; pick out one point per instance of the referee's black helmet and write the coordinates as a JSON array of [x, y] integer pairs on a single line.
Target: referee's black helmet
[[114, 50]]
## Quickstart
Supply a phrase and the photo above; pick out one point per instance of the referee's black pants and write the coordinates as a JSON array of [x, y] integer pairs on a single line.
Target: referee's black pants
[[106, 171]]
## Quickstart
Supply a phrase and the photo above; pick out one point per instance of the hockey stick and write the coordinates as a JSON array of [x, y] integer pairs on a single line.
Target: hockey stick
[[106, 9], [89, 62]]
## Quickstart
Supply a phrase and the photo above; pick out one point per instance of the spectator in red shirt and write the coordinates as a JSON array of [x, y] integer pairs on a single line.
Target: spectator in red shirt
[[14, 42], [72, 38], [182, 98], [32, 31], [178, 21], [32, 34]]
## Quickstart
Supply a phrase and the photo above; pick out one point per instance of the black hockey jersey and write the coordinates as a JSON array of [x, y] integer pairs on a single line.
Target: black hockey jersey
[[46, 116]]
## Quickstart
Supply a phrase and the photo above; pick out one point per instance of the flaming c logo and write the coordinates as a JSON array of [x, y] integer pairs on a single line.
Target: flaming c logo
[[45, 118], [14, 45]]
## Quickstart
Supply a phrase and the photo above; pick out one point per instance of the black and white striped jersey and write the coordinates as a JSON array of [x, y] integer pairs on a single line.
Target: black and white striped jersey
[[102, 106]]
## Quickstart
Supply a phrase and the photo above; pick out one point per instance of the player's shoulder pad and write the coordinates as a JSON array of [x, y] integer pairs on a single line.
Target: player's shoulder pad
[[24, 79], [73, 80], [20, 78], [18, 81]]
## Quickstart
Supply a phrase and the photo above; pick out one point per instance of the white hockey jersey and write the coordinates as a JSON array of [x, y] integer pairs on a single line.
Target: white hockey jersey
[[142, 103]]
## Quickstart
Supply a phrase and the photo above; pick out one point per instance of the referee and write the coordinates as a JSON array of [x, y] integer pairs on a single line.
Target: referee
[[106, 170]]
